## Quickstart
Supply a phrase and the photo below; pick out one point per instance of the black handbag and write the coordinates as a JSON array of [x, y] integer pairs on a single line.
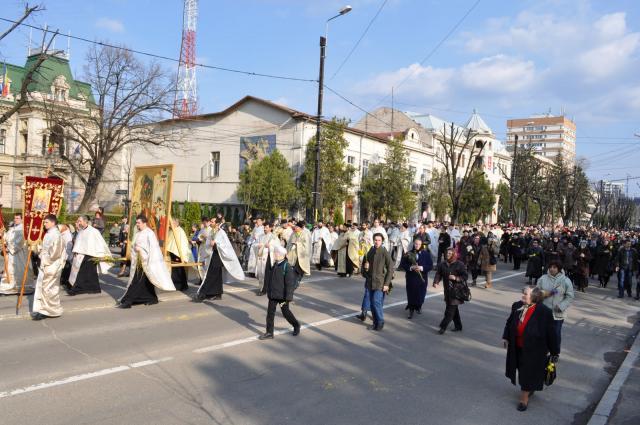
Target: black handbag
[[461, 291]]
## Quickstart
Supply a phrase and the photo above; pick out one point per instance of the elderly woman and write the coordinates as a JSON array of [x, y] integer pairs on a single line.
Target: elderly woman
[[488, 260], [416, 263], [529, 336], [452, 273]]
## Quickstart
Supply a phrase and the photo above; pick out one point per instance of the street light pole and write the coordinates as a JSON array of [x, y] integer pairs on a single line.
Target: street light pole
[[513, 178], [316, 179]]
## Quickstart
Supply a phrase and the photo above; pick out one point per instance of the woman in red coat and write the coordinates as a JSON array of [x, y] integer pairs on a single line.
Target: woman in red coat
[[529, 336]]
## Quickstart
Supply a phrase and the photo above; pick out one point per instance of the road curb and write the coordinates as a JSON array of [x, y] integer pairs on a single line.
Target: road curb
[[608, 401]]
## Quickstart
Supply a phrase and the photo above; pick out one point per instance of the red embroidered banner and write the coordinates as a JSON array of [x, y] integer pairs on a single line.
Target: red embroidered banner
[[42, 196]]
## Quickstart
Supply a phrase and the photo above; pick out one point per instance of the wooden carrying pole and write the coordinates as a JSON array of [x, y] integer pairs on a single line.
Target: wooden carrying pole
[[26, 268]]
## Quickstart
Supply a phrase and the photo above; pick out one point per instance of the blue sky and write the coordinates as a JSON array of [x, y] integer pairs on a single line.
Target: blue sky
[[507, 58]]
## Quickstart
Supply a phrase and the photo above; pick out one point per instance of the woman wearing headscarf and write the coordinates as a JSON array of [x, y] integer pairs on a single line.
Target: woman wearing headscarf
[[529, 336], [582, 257], [452, 273], [488, 259], [416, 263]]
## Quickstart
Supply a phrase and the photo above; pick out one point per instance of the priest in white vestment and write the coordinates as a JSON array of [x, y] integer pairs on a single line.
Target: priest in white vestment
[[321, 240], [298, 250], [46, 298], [266, 257], [179, 250], [258, 231], [348, 247], [16, 260], [404, 244], [148, 268], [220, 265], [87, 248]]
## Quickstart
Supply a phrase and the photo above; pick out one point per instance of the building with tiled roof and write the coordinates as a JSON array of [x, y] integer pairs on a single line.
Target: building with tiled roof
[[27, 145]]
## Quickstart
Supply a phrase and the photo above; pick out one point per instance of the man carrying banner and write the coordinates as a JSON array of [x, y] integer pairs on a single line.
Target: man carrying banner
[[46, 298], [179, 250], [89, 246], [16, 259], [148, 270]]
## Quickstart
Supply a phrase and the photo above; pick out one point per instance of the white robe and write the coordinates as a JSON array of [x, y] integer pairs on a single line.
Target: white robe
[[434, 234], [145, 248], [266, 246], [16, 262], [318, 236], [404, 246], [46, 298], [231, 264], [89, 241], [252, 262]]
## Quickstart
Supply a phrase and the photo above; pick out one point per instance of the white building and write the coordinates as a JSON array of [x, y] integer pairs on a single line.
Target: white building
[[216, 144]]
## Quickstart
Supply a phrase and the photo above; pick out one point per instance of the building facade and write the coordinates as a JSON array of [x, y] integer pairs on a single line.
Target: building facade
[[548, 136], [28, 146]]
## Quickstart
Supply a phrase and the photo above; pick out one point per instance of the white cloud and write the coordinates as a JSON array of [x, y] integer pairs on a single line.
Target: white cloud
[[112, 25], [428, 82], [608, 59], [612, 25], [498, 73]]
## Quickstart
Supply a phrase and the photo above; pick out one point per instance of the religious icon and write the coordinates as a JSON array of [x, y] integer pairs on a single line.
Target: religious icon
[[41, 200]]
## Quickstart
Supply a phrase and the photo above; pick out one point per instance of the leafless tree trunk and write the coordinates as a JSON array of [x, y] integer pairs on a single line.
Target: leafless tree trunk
[[130, 97], [457, 143]]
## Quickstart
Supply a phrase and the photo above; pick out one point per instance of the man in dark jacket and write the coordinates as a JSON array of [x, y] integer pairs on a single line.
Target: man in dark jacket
[[626, 264], [378, 272], [280, 285], [451, 273], [444, 242]]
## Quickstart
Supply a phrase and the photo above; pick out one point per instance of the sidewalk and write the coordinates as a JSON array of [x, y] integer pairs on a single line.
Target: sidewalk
[[619, 404]]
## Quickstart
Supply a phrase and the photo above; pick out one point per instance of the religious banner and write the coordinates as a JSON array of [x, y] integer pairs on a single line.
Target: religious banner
[[42, 196], [254, 148], [151, 196]]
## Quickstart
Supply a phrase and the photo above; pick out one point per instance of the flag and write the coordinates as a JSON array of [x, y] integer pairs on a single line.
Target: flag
[[5, 81]]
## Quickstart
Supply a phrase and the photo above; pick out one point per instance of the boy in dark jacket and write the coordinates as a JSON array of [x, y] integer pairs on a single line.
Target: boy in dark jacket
[[280, 285]]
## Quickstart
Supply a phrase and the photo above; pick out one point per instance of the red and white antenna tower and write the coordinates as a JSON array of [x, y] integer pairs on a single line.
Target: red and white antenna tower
[[186, 102]]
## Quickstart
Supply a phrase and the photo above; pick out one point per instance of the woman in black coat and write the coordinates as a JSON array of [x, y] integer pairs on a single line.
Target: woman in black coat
[[452, 273], [416, 263], [535, 262], [603, 265], [529, 336]]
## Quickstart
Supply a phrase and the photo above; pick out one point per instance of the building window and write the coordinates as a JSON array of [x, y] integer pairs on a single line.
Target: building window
[[3, 139], [413, 172], [24, 137], [365, 167], [463, 161], [425, 176], [215, 164], [351, 160]]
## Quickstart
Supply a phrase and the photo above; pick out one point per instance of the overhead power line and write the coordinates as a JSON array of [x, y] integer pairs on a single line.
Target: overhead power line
[[355, 46], [167, 58]]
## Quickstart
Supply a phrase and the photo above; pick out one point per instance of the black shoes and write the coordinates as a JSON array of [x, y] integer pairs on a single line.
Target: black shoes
[[377, 327], [441, 331], [410, 316], [151, 302], [266, 335], [196, 299], [361, 316], [457, 330], [522, 407], [296, 331], [123, 305], [39, 316]]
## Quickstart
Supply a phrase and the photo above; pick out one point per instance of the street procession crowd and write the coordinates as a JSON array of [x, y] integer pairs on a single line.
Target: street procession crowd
[[280, 254]]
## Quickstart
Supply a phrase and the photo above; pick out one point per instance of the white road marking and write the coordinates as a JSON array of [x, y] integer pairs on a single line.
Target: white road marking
[[82, 377]]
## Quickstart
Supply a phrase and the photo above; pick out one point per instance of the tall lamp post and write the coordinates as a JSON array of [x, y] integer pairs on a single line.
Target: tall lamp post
[[323, 45]]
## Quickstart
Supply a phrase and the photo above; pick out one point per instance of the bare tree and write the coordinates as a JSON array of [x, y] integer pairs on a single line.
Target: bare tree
[[130, 97], [461, 154], [22, 98]]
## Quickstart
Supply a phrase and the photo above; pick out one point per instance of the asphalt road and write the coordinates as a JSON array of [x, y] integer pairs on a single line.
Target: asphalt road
[[183, 363]]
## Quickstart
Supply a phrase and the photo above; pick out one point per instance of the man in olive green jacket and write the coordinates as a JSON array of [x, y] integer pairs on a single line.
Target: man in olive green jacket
[[378, 270]]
